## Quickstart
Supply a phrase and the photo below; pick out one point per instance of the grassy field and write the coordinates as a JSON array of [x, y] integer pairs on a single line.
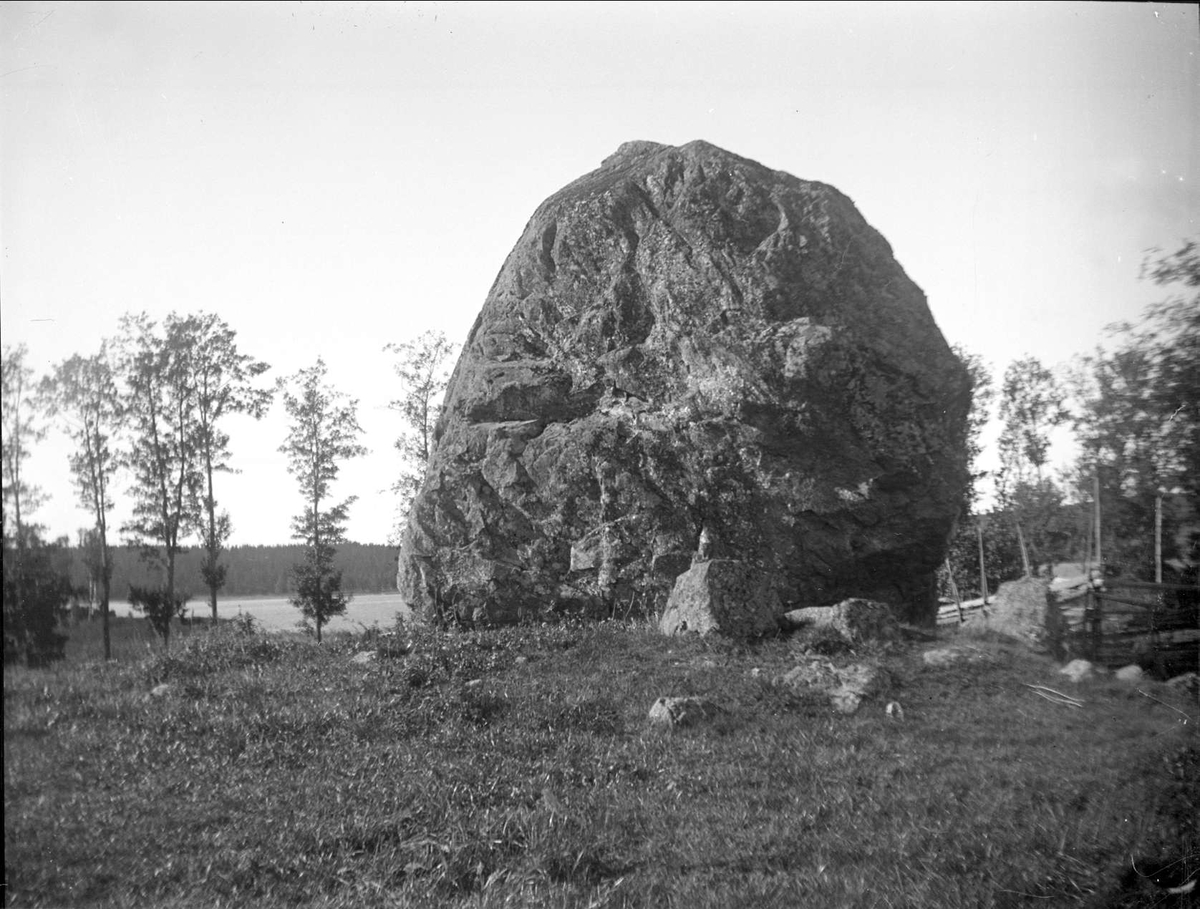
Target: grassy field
[[517, 768]]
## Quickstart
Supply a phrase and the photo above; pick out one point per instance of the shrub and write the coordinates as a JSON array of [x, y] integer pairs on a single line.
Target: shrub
[[35, 597]]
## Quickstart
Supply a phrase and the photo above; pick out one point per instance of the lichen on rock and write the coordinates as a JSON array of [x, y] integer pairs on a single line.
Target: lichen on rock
[[683, 339]]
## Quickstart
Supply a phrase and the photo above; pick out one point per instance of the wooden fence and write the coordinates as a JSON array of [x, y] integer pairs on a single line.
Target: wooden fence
[[1156, 626]]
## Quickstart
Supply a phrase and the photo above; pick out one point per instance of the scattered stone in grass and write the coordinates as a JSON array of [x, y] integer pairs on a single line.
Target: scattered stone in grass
[[678, 712], [894, 710], [958, 655], [364, 657], [1078, 670], [855, 620], [823, 640], [1131, 673], [160, 690], [1189, 682], [845, 686]]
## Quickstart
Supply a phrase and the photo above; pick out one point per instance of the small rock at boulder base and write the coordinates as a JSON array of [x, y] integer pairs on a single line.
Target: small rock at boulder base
[[856, 619], [1078, 670], [1188, 683], [687, 352], [724, 596], [1130, 673], [683, 711]]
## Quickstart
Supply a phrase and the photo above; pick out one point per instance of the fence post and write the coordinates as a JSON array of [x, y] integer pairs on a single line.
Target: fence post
[[1158, 538], [954, 590], [1024, 551], [1093, 612], [1155, 648]]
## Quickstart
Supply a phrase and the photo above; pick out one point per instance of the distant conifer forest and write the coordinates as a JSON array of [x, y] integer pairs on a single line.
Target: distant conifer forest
[[252, 570]]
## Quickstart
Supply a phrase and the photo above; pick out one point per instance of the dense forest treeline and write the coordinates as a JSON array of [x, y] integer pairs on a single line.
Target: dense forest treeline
[[252, 570]]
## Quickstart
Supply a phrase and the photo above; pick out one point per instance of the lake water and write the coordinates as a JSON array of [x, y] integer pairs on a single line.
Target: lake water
[[277, 614]]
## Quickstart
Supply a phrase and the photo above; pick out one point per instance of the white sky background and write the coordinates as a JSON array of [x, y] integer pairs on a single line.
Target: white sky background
[[331, 177]]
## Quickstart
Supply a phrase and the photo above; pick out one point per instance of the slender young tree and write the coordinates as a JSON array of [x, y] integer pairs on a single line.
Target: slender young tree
[[960, 571], [163, 449], [324, 433], [223, 383], [23, 428], [1032, 405], [83, 392], [422, 369], [34, 592]]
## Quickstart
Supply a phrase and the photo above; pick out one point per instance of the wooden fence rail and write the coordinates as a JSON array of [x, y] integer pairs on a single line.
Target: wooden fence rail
[[1156, 626]]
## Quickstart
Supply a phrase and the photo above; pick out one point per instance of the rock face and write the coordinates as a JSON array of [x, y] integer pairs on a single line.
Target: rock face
[[689, 351]]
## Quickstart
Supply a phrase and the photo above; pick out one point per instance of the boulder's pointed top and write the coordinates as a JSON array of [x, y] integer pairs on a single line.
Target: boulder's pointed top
[[641, 148], [635, 148]]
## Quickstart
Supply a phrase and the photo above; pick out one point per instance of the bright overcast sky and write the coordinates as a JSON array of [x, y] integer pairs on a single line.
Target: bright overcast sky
[[329, 177]]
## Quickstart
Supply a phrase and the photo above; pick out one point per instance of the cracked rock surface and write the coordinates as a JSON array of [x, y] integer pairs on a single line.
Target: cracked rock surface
[[685, 344]]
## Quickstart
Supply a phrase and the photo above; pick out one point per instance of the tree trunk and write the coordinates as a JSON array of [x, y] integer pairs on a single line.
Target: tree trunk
[[213, 543], [105, 589], [982, 573], [320, 606]]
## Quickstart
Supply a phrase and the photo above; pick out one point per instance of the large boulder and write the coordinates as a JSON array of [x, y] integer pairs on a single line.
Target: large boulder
[[685, 343]]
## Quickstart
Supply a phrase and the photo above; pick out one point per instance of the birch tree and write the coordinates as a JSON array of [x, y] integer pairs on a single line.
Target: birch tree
[[23, 428], [422, 367], [82, 391], [1032, 406], [222, 379], [162, 453], [324, 433], [35, 592]]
